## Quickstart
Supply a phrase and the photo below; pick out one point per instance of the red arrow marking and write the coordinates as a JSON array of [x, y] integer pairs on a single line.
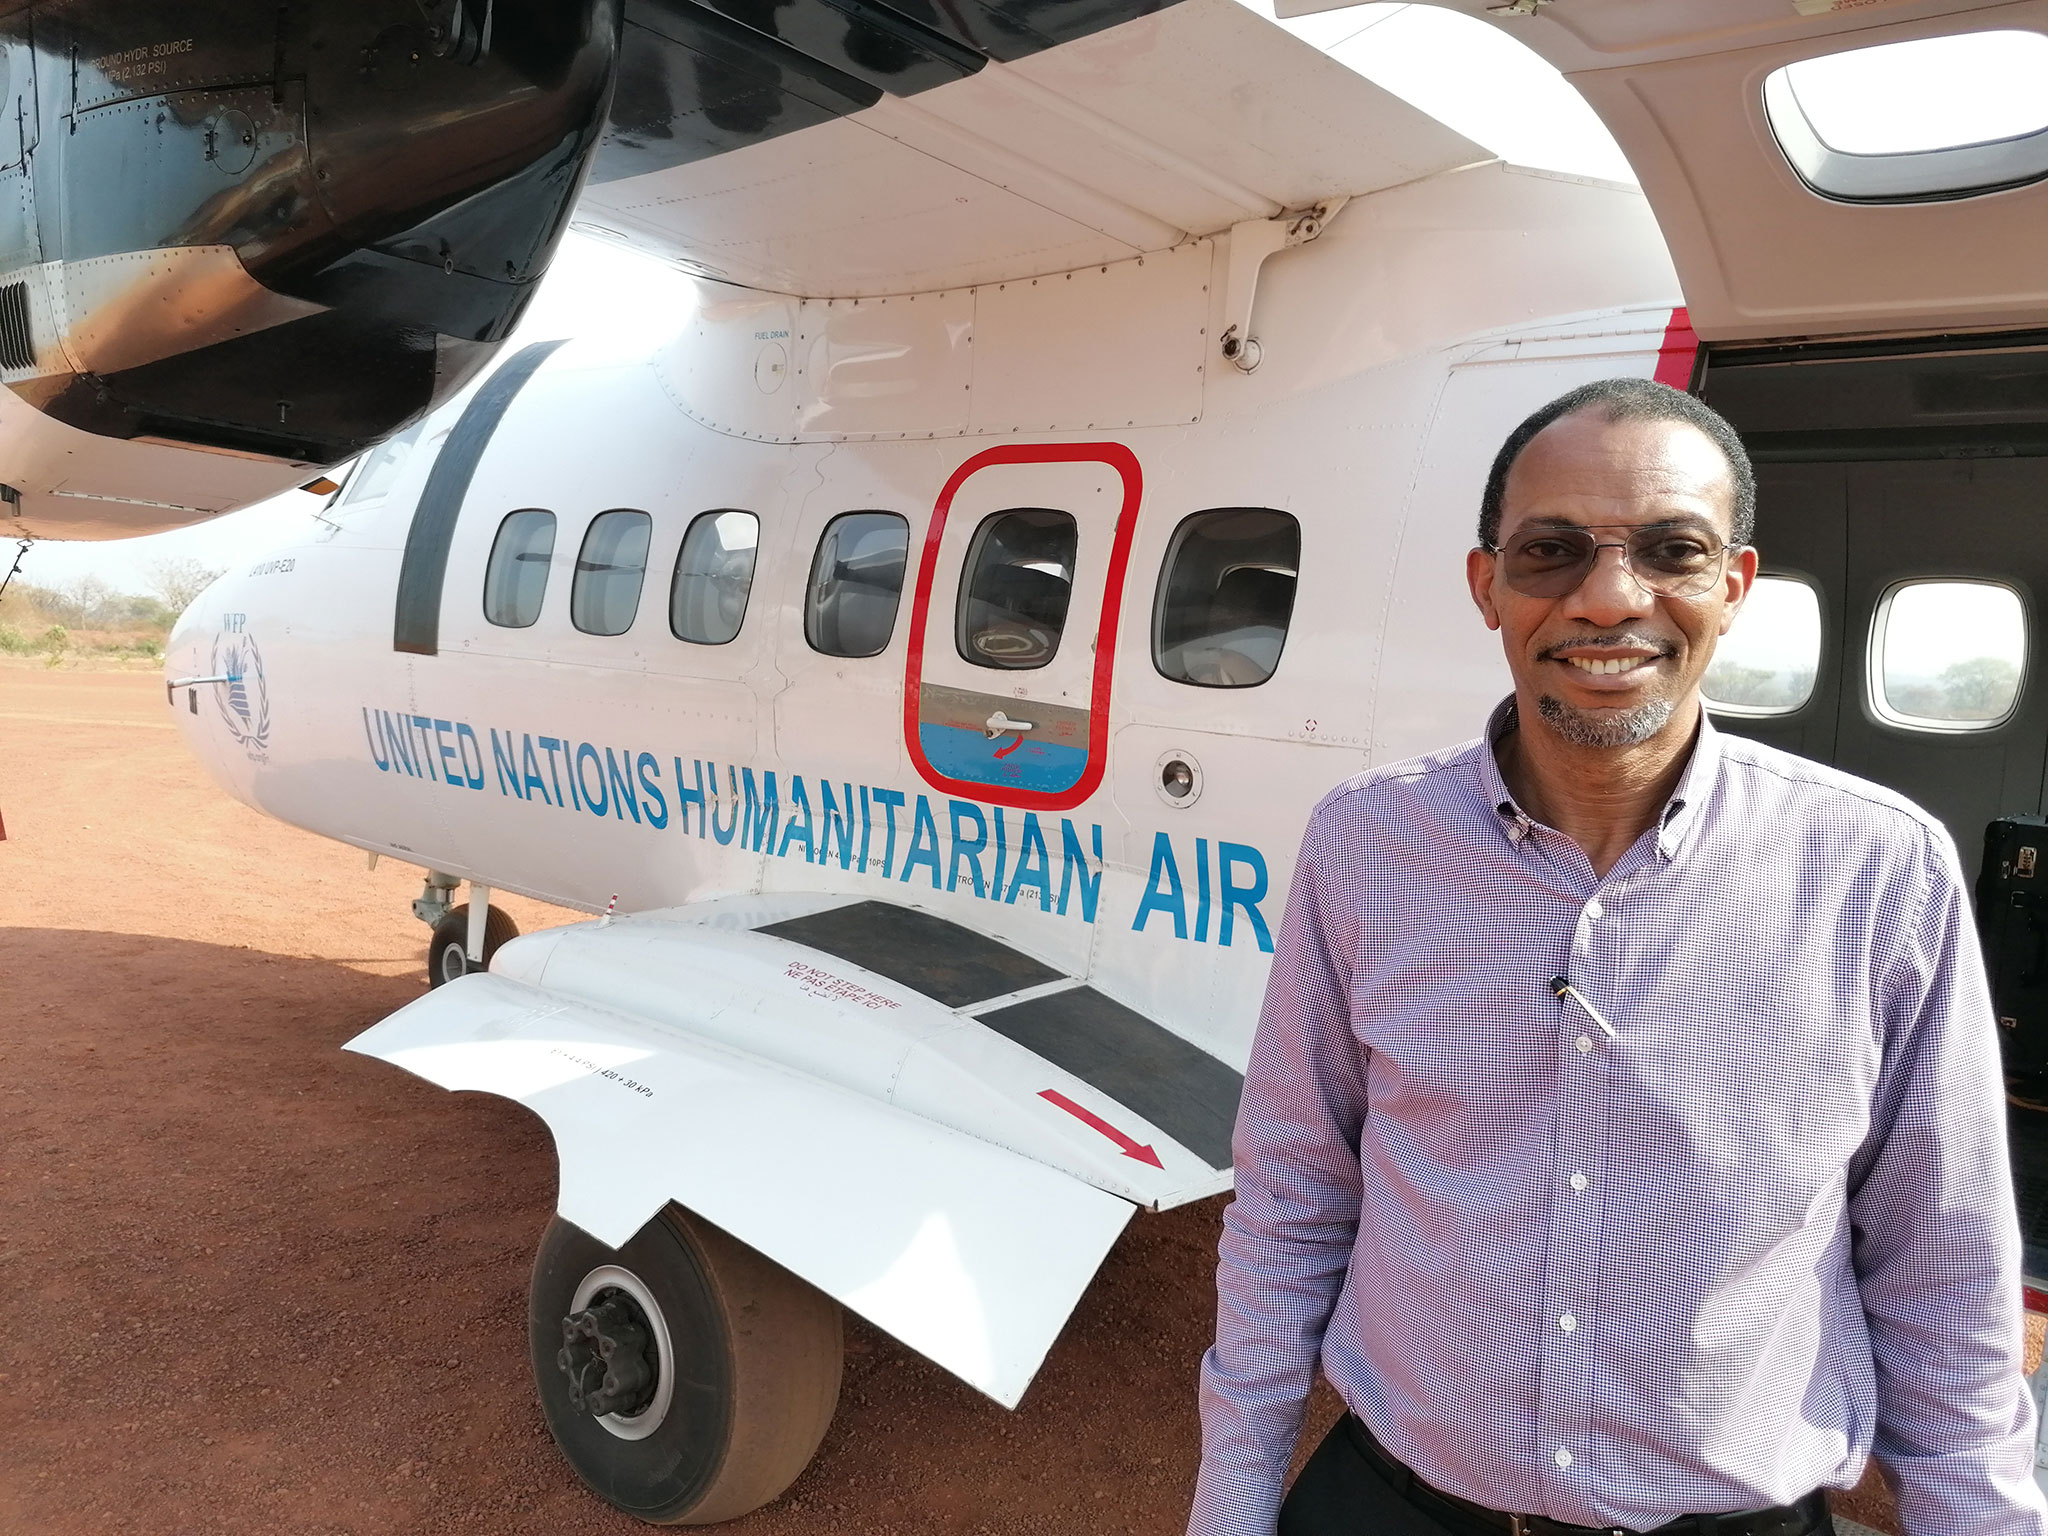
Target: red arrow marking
[[1096, 1122]]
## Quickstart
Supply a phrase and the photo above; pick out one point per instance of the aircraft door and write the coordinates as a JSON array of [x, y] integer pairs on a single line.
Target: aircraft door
[[1930, 676], [1945, 581], [1013, 633]]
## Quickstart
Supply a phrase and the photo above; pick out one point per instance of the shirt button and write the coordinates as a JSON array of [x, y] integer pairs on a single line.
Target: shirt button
[[1567, 1322], [1563, 1457], [1584, 1043], [1579, 1181], [1595, 911]]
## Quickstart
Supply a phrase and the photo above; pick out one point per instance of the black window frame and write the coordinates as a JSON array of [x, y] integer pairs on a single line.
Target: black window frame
[[811, 607], [966, 595], [676, 575], [547, 562], [583, 567], [1174, 544]]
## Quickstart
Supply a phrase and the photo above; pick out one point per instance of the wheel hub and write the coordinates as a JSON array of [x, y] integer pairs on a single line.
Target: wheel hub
[[607, 1354]]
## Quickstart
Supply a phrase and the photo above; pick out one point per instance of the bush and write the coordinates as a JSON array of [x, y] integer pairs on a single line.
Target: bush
[[56, 639], [12, 641]]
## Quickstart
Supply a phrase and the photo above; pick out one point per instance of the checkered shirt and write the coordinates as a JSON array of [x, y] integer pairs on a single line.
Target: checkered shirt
[[1709, 1262]]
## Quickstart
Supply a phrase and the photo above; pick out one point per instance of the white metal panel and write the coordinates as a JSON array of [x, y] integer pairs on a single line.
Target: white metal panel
[[78, 485], [1217, 85], [1120, 345], [1115, 345], [722, 369], [841, 209], [885, 367], [970, 1255], [835, 1020]]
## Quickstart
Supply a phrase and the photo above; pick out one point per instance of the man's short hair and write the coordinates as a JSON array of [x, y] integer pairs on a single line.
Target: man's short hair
[[1627, 400]]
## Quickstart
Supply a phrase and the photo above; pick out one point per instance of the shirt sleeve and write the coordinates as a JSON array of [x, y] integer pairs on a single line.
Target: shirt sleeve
[[1288, 1236], [1937, 1244]]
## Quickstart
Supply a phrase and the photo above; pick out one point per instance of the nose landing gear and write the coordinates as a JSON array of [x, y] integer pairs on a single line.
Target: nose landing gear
[[687, 1377]]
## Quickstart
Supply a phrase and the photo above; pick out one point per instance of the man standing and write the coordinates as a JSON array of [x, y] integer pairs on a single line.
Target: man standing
[[1623, 1131]]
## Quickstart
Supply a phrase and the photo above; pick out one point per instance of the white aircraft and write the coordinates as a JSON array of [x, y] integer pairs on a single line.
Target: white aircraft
[[926, 659]]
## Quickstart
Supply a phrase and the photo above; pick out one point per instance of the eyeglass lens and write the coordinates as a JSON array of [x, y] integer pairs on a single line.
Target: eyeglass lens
[[1672, 559]]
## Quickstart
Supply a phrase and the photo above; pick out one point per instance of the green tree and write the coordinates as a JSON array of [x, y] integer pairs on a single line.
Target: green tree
[[177, 582], [1981, 688]]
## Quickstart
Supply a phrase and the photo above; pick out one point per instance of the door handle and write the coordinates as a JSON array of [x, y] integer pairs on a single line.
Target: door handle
[[1000, 724]]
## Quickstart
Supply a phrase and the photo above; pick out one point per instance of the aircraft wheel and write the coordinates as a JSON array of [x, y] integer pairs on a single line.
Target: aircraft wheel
[[687, 1377], [448, 950]]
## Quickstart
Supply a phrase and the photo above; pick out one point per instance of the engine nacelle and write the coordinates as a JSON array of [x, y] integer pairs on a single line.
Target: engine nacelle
[[238, 241]]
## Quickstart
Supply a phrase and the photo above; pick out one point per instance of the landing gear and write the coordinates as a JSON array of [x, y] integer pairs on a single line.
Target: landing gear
[[687, 1377], [448, 950]]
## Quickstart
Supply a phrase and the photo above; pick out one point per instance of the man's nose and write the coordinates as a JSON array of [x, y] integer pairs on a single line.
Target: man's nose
[[1610, 593]]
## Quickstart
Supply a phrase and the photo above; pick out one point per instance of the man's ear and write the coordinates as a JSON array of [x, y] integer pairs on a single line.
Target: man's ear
[[1740, 578], [1479, 564]]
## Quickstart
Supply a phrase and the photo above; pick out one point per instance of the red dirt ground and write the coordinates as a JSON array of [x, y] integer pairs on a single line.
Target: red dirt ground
[[256, 1285]]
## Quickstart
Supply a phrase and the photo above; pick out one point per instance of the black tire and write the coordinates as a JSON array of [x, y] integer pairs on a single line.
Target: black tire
[[448, 949], [752, 1369]]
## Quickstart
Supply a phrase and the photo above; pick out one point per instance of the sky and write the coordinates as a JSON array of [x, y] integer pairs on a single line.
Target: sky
[[1971, 89], [1477, 79]]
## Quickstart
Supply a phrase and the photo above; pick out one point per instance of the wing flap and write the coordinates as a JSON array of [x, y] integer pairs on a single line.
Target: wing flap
[[970, 1254]]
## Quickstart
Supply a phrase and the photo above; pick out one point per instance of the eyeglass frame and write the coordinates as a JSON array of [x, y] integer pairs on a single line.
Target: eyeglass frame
[[1723, 550]]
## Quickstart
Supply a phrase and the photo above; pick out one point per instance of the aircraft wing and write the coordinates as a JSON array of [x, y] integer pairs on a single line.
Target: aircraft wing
[[987, 143], [970, 1254], [939, 1130]]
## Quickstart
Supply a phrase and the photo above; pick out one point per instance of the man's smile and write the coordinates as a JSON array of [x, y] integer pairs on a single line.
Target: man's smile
[[1611, 662]]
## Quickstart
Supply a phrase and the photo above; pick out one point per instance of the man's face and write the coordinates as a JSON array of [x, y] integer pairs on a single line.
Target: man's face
[[1610, 663]]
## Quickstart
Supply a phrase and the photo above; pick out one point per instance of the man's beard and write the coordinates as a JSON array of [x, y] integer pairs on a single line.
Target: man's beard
[[1607, 727]]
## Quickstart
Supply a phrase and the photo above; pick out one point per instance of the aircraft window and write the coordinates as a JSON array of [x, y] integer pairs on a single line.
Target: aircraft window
[[714, 574], [1226, 596], [1932, 118], [609, 569], [380, 468], [1015, 590], [1950, 655], [1766, 664], [856, 583], [517, 578]]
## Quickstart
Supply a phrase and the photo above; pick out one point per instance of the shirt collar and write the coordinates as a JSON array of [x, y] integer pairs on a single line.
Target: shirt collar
[[1680, 811], [1514, 821]]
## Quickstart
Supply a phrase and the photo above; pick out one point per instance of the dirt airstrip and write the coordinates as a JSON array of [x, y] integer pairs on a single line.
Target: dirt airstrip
[[255, 1285]]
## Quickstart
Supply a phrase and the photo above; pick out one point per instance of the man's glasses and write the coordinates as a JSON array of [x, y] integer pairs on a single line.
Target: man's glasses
[[1668, 559]]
